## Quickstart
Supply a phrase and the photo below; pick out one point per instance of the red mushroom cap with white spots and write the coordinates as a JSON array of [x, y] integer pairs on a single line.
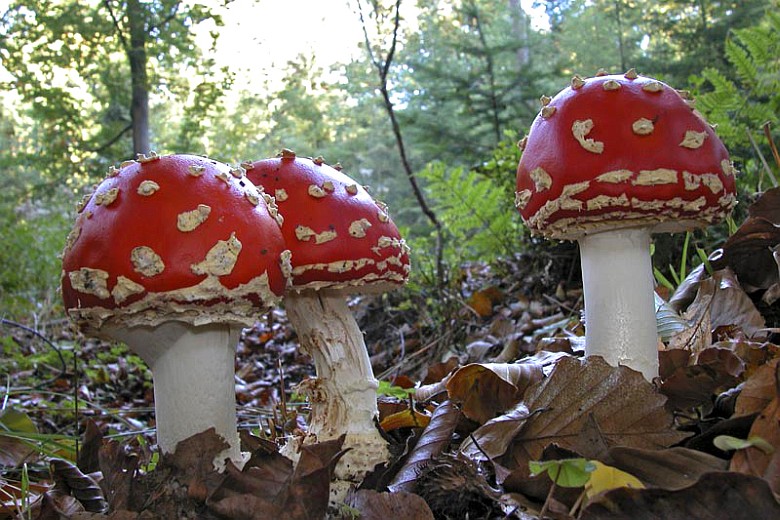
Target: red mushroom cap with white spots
[[618, 151], [177, 237], [339, 236]]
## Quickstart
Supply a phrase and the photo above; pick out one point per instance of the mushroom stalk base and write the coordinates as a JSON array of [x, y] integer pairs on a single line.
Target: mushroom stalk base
[[194, 381], [617, 277], [343, 395]]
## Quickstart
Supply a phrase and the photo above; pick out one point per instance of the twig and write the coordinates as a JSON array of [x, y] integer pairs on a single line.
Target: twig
[[761, 157], [383, 69], [48, 342], [767, 132]]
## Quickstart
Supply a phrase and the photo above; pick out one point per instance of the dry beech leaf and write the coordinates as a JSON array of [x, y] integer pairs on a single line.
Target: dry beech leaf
[[243, 495], [438, 371], [482, 301], [727, 304], [582, 398], [433, 441], [759, 462], [310, 491], [265, 474], [749, 250], [269, 487], [671, 360], [732, 306], [759, 390], [70, 480], [88, 461], [686, 291], [493, 438], [767, 206], [53, 505], [716, 370], [488, 389], [749, 253], [373, 505], [755, 354], [715, 496], [671, 468], [119, 468], [193, 459]]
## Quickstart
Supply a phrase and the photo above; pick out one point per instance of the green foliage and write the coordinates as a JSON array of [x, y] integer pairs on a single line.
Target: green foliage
[[475, 206], [470, 73], [729, 443], [740, 106], [19, 434], [388, 389], [564, 472], [33, 237]]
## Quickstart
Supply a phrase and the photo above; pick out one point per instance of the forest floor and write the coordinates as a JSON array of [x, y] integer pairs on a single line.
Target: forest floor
[[487, 404]]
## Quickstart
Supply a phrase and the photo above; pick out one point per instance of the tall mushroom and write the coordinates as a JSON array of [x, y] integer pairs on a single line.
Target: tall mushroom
[[173, 255], [607, 162], [342, 242]]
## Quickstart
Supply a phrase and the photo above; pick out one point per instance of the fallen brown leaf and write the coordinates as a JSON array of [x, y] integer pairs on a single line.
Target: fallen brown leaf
[[268, 486], [433, 440], [760, 462], [715, 496], [373, 505], [671, 468], [716, 370], [485, 390], [69, 480], [438, 371], [193, 459], [759, 390], [119, 468], [577, 397]]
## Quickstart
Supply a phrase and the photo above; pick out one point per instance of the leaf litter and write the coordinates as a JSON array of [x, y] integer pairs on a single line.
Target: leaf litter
[[516, 392]]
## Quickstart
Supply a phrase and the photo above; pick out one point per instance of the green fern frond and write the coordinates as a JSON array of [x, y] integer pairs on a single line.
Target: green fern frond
[[757, 41], [476, 213], [742, 61]]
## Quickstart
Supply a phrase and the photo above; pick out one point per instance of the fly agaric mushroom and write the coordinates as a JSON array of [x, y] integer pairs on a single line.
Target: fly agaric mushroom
[[607, 162], [342, 242], [173, 255]]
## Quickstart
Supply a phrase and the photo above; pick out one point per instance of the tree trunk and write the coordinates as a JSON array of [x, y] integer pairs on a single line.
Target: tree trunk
[[136, 54], [520, 29], [621, 43]]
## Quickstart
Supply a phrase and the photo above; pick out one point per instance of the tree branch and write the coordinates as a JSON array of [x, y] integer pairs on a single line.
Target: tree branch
[[383, 69], [114, 139], [118, 27]]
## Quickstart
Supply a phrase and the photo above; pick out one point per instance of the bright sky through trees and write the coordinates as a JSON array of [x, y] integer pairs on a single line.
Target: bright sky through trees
[[265, 34]]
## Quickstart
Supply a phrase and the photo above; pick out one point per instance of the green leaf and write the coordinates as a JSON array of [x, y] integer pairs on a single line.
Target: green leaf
[[729, 443], [564, 472], [386, 388], [18, 422]]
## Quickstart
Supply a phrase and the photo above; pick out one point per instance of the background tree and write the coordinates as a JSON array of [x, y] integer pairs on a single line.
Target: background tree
[[381, 55], [83, 70]]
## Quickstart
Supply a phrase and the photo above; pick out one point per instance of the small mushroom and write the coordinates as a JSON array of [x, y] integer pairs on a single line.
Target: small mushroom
[[365, 254], [177, 290], [626, 157]]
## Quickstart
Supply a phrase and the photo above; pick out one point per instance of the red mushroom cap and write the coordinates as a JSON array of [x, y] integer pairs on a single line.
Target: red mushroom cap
[[176, 237], [339, 236], [618, 151]]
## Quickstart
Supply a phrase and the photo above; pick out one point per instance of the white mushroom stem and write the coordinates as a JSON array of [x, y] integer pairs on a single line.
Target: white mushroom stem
[[194, 380], [343, 395], [617, 277]]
